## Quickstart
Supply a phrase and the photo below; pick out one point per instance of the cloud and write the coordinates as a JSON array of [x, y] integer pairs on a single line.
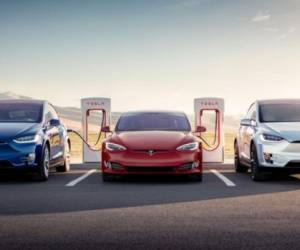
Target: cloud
[[261, 16], [286, 34], [182, 4]]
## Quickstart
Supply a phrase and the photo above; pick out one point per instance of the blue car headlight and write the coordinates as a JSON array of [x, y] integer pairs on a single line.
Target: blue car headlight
[[271, 138], [28, 139]]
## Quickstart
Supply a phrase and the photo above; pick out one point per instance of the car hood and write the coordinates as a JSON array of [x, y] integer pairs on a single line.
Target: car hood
[[10, 130], [288, 130], [156, 140]]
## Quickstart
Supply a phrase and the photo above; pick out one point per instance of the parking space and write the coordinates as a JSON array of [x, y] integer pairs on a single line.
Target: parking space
[[145, 210], [82, 189], [82, 176]]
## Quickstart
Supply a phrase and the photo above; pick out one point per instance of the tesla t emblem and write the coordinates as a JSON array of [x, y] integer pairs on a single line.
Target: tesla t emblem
[[151, 152]]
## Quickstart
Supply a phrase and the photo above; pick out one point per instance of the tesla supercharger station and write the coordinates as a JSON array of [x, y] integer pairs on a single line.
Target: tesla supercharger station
[[209, 113], [102, 105]]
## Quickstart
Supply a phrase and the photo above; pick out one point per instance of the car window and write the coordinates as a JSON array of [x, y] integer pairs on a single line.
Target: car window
[[48, 116], [279, 112], [150, 121], [20, 112], [251, 114], [53, 112], [50, 113]]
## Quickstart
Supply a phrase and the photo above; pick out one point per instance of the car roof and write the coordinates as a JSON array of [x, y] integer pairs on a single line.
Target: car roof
[[279, 101], [25, 101]]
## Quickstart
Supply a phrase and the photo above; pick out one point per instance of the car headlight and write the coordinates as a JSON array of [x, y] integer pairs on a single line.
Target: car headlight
[[114, 147], [188, 147], [271, 138], [28, 139]]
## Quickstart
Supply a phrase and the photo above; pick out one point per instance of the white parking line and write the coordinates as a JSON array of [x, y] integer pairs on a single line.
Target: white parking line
[[228, 182], [81, 178]]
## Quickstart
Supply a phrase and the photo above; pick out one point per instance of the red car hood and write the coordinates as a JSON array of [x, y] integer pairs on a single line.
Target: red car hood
[[156, 140]]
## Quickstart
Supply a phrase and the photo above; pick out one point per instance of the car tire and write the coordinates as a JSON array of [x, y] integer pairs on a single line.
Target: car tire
[[44, 165], [239, 167], [256, 173], [66, 166]]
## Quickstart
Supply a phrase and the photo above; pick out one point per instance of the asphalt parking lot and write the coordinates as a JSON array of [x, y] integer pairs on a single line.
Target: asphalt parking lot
[[77, 210]]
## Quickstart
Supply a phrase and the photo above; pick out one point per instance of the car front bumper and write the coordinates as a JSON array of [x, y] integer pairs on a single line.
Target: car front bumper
[[18, 157], [170, 162], [279, 154]]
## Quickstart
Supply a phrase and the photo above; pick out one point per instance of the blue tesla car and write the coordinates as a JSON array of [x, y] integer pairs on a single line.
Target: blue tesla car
[[32, 138]]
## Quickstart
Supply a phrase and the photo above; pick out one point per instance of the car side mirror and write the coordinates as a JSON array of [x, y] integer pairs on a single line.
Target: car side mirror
[[54, 122], [200, 129], [253, 123], [105, 129], [248, 122], [245, 122]]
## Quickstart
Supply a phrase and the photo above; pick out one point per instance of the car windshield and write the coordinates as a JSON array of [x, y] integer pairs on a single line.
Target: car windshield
[[280, 112], [153, 121], [20, 112]]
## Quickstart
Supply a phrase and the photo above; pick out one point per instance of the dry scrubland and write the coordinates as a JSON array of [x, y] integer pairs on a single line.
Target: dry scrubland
[[77, 144]]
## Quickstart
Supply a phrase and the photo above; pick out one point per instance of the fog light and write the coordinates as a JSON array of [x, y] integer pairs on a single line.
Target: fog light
[[28, 158], [189, 166], [268, 158], [31, 157], [195, 164], [115, 166], [107, 164]]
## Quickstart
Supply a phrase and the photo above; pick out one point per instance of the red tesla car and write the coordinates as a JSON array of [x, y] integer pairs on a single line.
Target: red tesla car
[[153, 143]]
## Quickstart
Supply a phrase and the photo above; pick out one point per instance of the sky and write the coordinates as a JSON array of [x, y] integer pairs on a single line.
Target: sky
[[151, 54]]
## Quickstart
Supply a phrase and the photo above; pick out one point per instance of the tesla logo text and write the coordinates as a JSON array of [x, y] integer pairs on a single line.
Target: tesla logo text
[[95, 103], [210, 103]]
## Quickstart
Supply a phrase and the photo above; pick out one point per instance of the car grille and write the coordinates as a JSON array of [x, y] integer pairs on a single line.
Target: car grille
[[147, 151], [151, 169], [3, 142]]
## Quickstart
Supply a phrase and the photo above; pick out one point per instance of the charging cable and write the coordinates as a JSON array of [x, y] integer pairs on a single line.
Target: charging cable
[[91, 147]]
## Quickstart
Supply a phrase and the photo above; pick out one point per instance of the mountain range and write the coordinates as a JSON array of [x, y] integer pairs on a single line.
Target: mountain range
[[71, 116]]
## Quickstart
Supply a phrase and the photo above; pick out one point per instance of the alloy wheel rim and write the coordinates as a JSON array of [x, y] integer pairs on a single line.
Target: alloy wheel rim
[[46, 162], [68, 158], [253, 163]]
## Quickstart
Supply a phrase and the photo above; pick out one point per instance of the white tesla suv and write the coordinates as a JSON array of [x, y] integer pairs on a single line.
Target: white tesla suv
[[268, 139]]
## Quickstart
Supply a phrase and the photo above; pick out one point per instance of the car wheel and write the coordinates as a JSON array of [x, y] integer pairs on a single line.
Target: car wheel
[[43, 172], [239, 168], [256, 173], [66, 166]]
